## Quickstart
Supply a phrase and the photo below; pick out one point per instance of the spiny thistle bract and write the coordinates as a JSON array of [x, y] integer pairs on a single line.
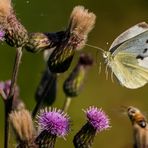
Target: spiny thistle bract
[[51, 123], [73, 84], [97, 121], [39, 41], [80, 24]]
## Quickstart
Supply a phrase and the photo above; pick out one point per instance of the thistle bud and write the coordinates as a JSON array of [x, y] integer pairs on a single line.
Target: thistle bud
[[22, 126], [97, 121], [74, 83], [43, 41], [5, 89], [81, 23], [52, 123]]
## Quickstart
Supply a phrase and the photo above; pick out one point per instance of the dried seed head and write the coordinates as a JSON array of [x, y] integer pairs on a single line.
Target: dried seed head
[[22, 124], [81, 23], [18, 104], [5, 8]]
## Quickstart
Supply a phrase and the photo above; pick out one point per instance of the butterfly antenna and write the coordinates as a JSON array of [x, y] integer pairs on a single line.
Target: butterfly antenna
[[106, 72], [100, 49], [112, 77], [100, 68]]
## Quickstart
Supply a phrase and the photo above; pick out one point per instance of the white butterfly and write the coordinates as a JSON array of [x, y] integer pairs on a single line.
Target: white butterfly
[[128, 56]]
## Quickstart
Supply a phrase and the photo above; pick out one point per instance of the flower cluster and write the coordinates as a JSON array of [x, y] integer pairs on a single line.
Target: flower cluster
[[59, 49]]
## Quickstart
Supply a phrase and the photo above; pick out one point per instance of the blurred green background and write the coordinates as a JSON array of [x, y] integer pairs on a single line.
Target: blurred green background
[[113, 17]]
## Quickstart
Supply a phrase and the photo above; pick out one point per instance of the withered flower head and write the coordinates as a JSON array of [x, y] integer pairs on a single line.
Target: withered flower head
[[22, 125], [15, 33], [81, 23], [5, 8], [74, 83]]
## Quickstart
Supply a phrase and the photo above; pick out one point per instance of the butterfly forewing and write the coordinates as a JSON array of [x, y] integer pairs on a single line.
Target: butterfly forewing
[[130, 61], [129, 33]]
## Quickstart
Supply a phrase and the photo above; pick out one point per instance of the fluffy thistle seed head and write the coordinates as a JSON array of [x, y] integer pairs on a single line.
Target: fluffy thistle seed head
[[22, 124], [5, 8], [97, 118], [54, 121], [81, 23]]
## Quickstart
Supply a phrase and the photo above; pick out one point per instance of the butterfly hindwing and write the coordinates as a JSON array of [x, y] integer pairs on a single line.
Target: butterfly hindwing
[[130, 61]]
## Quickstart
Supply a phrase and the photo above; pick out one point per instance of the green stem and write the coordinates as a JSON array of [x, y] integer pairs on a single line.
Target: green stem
[[66, 104]]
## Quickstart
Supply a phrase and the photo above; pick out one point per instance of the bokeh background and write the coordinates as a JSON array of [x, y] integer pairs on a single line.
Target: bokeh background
[[113, 17]]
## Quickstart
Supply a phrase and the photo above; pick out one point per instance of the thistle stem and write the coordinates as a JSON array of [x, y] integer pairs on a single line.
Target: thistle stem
[[66, 104], [9, 100]]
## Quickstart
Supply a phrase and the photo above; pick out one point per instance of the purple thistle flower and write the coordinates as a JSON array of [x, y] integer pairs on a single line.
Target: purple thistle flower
[[97, 121], [5, 87], [54, 121], [97, 118]]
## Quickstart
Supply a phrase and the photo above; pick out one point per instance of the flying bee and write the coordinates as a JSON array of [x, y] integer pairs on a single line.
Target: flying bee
[[136, 116], [140, 127]]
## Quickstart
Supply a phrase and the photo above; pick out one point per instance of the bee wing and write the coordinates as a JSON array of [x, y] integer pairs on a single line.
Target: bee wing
[[140, 136], [130, 33], [130, 62]]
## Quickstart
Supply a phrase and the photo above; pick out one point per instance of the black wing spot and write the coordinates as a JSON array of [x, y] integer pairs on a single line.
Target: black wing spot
[[145, 50], [147, 41], [140, 57]]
